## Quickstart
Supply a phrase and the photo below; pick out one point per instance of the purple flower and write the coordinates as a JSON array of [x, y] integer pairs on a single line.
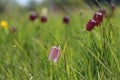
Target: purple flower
[[102, 10], [13, 29], [54, 54], [43, 19], [112, 6], [33, 16], [90, 25], [66, 19], [98, 17]]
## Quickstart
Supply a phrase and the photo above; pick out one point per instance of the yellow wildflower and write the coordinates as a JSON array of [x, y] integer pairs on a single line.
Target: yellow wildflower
[[4, 24]]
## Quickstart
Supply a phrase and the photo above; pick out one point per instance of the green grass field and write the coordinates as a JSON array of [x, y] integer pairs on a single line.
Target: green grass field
[[85, 55]]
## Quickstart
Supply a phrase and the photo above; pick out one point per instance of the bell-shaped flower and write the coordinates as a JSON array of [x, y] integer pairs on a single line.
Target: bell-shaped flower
[[43, 19], [66, 19], [54, 53], [33, 16], [102, 10], [90, 25], [98, 17]]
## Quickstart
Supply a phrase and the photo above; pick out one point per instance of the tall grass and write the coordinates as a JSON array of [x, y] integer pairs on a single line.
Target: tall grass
[[93, 55]]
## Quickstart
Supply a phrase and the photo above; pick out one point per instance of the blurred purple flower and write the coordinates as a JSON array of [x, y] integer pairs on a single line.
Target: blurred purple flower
[[112, 6], [13, 29], [33, 16], [54, 54], [90, 25], [66, 19], [102, 10], [98, 17], [43, 19]]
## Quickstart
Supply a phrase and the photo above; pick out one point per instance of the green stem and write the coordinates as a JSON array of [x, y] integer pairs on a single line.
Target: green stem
[[65, 63], [51, 64]]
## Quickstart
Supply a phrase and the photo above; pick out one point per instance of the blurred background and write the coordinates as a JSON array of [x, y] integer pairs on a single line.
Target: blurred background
[[21, 6], [25, 45]]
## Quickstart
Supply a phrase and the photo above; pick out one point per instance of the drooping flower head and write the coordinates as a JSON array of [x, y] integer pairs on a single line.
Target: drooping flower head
[[4, 25], [66, 19], [43, 19], [54, 53], [112, 7], [44, 13], [98, 17], [33, 16], [13, 29], [102, 10], [90, 25]]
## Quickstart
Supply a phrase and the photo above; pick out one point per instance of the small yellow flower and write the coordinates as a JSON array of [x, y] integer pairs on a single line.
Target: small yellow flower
[[4, 24]]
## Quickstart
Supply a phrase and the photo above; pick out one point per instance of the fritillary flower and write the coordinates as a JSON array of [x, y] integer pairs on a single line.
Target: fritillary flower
[[33, 16], [112, 6], [102, 10], [90, 25], [43, 19], [13, 29], [66, 19], [98, 17], [54, 54]]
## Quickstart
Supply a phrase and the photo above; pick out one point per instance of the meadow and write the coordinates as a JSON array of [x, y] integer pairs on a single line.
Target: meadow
[[84, 55]]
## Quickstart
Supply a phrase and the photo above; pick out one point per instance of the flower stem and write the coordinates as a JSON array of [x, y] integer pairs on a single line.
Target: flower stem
[[51, 78], [65, 63]]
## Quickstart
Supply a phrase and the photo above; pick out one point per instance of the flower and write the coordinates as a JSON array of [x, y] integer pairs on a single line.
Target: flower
[[33, 16], [54, 54], [90, 25], [102, 10], [43, 19], [4, 24], [98, 17], [66, 19], [13, 29], [112, 6]]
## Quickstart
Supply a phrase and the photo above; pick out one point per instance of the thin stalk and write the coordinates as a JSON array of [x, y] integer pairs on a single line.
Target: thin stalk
[[65, 64], [51, 71]]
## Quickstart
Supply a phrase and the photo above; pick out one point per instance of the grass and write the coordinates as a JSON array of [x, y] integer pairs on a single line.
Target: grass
[[93, 55]]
